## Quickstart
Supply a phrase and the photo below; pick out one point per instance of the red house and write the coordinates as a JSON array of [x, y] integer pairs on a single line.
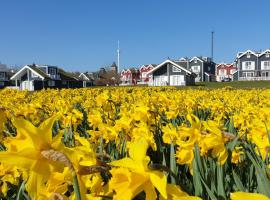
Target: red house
[[130, 76], [144, 79], [224, 70]]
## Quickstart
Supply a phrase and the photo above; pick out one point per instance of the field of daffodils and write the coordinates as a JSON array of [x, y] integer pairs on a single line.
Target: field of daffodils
[[135, 143]]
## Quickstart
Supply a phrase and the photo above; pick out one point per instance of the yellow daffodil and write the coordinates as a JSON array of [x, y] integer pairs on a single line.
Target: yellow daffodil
[[248, 196], [27, 150], [134, 175]]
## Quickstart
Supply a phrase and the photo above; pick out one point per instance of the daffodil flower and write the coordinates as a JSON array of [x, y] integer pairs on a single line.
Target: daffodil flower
[[134, 176], [29, 150]]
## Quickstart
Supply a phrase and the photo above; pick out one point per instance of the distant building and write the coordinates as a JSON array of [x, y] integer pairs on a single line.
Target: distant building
[[252, 65], [144, 69], [5, 75], [203, 67], [171, 73], [130, 76], [224, 70], [87, 78], [36, 77]]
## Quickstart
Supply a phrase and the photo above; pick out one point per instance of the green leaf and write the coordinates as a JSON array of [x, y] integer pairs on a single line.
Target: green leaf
[[19, 195], [209, 192], [238, 182], [220, 183], [173, 167], [196, 163], [262, 179]]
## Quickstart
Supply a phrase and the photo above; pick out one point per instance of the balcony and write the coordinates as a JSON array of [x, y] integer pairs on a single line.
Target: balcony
[[259, 78]]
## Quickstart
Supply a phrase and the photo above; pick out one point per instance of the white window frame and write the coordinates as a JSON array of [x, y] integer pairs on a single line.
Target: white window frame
[[248, 65], [198, 68], [175, 69], [267, 55], [222, 72], [248, 74], [144, 74], [248, 55], [265, 65], [264, 74]]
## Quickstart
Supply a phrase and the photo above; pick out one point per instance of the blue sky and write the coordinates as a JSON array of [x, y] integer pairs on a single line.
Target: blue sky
[[82, 35]]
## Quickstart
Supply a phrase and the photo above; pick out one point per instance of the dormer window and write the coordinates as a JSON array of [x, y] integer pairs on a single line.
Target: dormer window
[[52, 71], [195, 60], [248, 55], [267, 55]]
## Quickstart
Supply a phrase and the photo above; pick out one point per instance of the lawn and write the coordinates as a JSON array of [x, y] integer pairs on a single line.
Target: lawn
[[235, 84]]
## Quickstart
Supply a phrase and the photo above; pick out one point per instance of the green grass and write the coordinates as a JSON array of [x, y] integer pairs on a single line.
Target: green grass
[[234, 84]]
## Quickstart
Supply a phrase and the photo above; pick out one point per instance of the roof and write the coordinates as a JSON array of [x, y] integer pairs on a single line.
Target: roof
[[66, 75], [264, 52], [39, 71], [87, 75], [171, 62], [3, 68], [241, 54], [33, 69]]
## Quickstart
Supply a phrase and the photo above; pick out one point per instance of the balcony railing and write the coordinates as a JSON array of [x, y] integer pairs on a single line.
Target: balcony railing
[[259, 78]]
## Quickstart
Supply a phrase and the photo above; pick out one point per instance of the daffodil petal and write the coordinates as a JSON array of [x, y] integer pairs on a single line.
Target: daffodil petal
[[248, 196], [159, 180]]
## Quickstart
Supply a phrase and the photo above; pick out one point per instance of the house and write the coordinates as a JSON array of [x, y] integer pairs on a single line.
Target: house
[[252, 65], [144, 79], [5, 75], [87, 78], [203, 67], [171, 73], [130, 76], [224, 70], [36, 77]]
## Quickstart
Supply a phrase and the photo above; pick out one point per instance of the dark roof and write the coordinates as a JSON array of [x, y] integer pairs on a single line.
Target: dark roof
[[3, 68], [66, 75], [39, 71], [89, 75], [182, 63]]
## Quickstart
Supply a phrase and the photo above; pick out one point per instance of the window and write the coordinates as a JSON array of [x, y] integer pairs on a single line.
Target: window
[[209, 68], [267, 55], [51, 83], [195, 60], [222, 72], [248, 55], [265, 65], [2, 84], [64, 82], [2, 75], [265, 74], [248, 65], [248, 74], [144, 74], [52, 71], [195, 69], [176, 69]]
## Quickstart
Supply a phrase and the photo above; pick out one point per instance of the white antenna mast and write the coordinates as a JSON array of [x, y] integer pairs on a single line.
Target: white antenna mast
[[118, 57]]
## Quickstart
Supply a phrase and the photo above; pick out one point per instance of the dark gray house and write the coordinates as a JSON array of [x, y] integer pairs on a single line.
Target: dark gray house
[[4, 76], [203, 67], [171, 73], [35, 77], [252, 66], [87, 78]]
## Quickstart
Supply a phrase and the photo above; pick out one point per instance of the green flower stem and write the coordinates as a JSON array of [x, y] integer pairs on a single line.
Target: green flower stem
[[76, 186]]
